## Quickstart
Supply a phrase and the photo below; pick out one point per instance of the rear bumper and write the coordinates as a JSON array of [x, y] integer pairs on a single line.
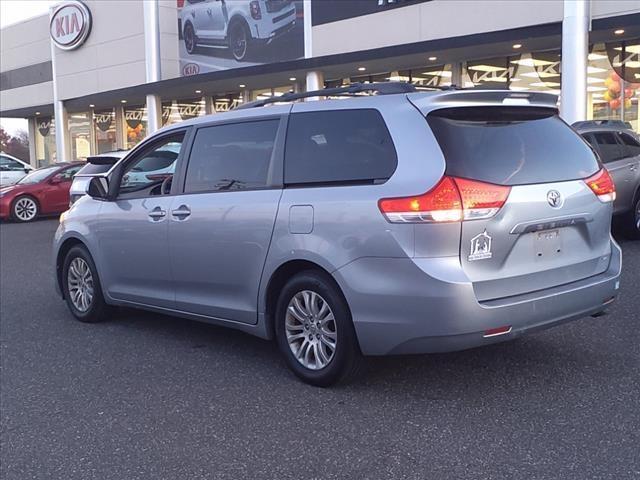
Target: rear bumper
[[403, 305]]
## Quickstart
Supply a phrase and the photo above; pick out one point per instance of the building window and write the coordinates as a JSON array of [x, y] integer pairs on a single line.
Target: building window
[[45, 141], [539, 71], [104, 122], [180, 110], [136, 124], [613, 82], [80, 135]]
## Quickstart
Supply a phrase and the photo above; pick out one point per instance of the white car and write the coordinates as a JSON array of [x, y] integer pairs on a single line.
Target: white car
[[235, 24], [12, 169]]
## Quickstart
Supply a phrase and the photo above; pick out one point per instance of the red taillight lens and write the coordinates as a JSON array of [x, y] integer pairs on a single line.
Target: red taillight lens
[[481, 200], [602, 185], [254, 7], [451, 200]]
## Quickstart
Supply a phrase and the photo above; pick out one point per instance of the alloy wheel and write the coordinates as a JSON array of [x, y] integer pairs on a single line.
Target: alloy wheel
[[189, 39], [25, 209], [638, 215], [80, 284], [311, 330], [238, 41]]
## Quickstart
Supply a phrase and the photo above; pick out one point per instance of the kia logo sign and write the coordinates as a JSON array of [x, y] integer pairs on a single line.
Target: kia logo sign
[[70, 25], [190, 69]]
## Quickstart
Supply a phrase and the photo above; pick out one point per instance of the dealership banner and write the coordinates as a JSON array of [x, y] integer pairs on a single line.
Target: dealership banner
[[327, 11], [222, 34]]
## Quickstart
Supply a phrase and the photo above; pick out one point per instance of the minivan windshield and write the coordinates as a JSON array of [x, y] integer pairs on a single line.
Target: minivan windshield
[[511, 145], [37, 176]]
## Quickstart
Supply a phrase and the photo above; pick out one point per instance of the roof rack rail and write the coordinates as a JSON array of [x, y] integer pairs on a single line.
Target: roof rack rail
[[381, 88], [604, 122]]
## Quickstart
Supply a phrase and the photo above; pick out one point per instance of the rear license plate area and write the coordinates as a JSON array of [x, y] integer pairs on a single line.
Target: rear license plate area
[[547, 244]]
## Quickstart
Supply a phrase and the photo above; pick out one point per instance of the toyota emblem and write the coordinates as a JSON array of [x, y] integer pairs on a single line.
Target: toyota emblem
[[554, 198]]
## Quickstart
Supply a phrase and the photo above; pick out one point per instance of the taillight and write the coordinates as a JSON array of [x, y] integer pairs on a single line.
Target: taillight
[[602, 185], [254, 8], [451, 200]]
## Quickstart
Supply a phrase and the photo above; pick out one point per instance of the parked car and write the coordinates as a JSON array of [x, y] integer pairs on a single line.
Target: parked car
[[12, 169], [44, 191], [619, 150], [402, 222], [236, 25]]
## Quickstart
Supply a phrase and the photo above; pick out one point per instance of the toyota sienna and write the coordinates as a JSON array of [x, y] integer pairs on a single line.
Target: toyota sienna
[[399, 222]]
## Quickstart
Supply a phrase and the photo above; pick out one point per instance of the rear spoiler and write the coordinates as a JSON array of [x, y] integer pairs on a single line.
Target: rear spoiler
[[103, 160], [480, 97]]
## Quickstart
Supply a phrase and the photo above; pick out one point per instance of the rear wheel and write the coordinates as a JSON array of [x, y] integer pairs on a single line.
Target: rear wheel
[[633, 220], [25, 209], [81, 285], [315, 332], [239, 38]]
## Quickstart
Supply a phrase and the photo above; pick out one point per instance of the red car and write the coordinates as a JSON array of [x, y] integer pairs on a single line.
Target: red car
[[42, 192]]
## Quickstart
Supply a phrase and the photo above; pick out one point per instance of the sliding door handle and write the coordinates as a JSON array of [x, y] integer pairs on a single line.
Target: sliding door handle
[[181, 212]]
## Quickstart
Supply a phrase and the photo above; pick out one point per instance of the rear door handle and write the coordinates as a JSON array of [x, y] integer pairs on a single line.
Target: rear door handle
[[181, 212], [633, 167], [157, 213]]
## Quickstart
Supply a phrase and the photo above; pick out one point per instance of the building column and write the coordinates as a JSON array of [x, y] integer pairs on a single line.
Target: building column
[[315, 81], [456, 74], [31, 124], [121, 129], [63, 140], [575, 51], [154, 113], [153, 62]]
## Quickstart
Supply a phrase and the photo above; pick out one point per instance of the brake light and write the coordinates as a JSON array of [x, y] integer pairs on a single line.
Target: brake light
[[254, 7], [451, 200], [602, 185]]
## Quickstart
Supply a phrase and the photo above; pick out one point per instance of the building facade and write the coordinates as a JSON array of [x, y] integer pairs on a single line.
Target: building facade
[[97, 75]]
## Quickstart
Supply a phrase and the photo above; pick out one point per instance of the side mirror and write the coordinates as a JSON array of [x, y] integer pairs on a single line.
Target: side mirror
[[27, 169], [56, 179], [98, 188]]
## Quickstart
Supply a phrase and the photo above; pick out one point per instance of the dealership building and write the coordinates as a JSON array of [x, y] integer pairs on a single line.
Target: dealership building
[[96, 76]]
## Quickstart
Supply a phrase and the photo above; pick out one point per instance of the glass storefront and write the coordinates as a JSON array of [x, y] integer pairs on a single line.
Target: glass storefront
[[45, 137], [104, 122], [136, 123]]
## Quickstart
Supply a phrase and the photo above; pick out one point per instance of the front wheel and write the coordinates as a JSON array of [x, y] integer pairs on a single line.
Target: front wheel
[[315, 332], [190, 39], [25, 209], [81, 285]]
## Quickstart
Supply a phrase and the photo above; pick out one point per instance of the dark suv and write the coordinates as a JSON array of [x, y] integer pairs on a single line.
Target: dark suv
[[619, 150]]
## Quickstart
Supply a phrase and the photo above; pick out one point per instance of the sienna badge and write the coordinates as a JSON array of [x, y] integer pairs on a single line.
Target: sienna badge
[[480, 247]]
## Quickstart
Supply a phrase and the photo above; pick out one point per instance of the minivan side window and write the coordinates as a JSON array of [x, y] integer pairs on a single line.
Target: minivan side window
[[631, 145], [152, 165], [339, 146], [9, 164], [610, 150], [234, 156]]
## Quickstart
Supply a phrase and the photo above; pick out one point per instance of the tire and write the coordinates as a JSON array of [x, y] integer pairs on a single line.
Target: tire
[[190, 39], [91, 311], [25, 209], [324, 366], [632, 220], [239, 39]]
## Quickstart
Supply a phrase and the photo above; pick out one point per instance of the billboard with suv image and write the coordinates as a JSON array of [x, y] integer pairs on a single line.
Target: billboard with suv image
[[223, 34]]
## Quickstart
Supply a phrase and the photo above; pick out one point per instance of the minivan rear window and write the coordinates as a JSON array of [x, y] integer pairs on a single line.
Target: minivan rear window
[[338, 146], [511, 145]]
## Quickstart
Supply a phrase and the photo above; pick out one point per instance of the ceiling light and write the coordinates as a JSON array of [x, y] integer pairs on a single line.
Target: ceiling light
[[198, 91], [620, 31], [596, 56], [433, 59], [292, 79], [123, 101], [91, 105], [517, 45], [592, 88], [37, 113], [361, 69], [487, 68], [242, 85], [591, 69], [544, 84]]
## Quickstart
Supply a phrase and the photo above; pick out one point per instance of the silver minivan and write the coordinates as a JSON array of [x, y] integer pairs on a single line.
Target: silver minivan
[[395, 223]]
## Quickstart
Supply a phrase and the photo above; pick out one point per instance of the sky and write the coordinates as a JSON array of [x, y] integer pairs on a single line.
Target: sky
[[13, 11]]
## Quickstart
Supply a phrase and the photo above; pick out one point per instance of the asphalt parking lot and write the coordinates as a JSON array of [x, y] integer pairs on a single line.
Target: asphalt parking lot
[[145, 396]]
